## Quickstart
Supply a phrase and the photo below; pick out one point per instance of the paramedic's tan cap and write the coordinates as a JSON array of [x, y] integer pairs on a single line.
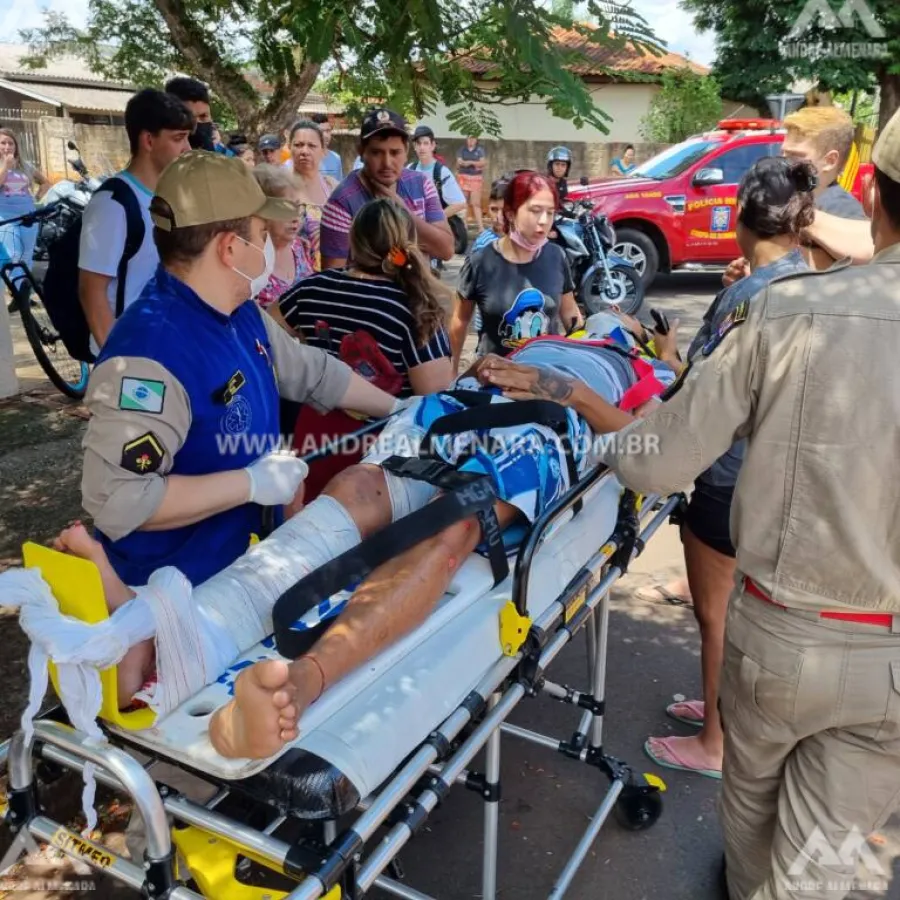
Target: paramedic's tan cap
[[201, 188], [886, 154]]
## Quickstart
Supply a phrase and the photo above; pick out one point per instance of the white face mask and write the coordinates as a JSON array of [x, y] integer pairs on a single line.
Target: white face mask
[[268, 251]]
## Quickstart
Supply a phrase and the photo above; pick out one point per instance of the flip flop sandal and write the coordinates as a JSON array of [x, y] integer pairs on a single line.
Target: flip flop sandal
[[689, 705], [675, 765], [659, 593]]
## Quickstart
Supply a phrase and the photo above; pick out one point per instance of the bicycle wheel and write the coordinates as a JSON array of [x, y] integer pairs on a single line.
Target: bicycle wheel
[[67, 374]]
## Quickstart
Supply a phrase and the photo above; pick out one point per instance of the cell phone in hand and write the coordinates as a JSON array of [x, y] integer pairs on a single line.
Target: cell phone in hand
[[660, 322]]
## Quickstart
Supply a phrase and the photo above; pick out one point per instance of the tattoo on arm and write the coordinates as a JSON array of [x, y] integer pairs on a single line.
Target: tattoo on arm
[[552, 385]]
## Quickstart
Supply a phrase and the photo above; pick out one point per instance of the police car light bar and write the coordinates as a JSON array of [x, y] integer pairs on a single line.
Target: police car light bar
[[748, 124]]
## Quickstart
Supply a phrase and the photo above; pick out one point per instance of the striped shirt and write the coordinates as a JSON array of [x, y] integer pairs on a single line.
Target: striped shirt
[[349, 304], [416, 190]]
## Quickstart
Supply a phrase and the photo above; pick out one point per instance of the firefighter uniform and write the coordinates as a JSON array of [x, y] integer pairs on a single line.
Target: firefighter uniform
[[810, 694]]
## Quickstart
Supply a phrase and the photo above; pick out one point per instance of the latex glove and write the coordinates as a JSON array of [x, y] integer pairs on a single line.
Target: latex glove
[[275, 478]]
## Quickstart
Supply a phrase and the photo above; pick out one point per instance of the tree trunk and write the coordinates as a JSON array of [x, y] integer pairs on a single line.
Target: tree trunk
[[282, 107], [889, 85], [226, 80]]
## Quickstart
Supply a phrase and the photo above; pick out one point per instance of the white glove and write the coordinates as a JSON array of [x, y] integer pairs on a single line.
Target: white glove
[[275, 478]]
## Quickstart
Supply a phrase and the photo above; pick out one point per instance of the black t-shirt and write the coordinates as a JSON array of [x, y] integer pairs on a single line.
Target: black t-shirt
[[348, 304], [516, 300], [837, 202]]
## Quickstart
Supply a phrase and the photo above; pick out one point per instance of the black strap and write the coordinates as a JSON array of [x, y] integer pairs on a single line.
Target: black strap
[[487, 416], [123, 194], [472, 495]]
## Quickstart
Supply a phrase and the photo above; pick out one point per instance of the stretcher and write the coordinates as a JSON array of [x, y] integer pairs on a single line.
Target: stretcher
[[380, 750]]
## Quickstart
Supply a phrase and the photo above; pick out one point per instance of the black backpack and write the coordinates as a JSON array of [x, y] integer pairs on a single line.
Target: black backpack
[[60, 287]]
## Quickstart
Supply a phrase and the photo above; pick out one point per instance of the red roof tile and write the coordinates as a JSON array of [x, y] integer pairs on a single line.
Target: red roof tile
[[602, 59]]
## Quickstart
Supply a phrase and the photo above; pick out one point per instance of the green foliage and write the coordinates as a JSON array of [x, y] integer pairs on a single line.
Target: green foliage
[[686, 104], [758, 55], [411, 53]]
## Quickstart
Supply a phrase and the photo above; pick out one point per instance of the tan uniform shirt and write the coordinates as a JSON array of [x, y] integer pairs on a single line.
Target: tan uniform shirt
[[812, 378], [121, 500]]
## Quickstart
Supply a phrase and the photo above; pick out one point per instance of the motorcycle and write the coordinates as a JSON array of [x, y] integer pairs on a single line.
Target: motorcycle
[[602, 277], [70, 199]]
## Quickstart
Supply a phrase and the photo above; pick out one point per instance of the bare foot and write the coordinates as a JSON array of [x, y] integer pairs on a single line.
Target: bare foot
[[76, 540], [687, 754], [137, 664], [263, 716]]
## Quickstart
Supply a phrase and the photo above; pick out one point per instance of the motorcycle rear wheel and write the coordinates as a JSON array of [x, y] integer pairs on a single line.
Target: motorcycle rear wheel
[[623, 289]]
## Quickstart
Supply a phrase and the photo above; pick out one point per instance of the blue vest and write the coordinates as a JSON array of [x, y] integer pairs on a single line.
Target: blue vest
[[206, 351]]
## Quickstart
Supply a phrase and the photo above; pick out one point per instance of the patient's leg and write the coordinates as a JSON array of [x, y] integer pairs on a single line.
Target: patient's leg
[[271, 696], [137, 664]]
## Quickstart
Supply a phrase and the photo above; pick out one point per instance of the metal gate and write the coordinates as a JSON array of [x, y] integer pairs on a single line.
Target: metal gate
[[25, 126]]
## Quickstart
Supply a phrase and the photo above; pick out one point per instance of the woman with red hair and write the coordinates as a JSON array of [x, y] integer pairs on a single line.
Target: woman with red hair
[[521, 284]]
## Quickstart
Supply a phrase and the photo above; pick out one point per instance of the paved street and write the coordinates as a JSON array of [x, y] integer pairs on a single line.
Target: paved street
[[548, 799]]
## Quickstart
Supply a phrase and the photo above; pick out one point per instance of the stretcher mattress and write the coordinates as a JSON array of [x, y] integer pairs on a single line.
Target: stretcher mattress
[[362, 728]]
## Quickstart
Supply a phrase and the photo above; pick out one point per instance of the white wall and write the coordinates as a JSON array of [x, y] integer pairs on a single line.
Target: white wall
[[625, 103]]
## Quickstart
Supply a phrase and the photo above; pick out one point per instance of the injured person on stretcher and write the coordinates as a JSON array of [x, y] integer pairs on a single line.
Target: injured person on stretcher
[[601, 380]]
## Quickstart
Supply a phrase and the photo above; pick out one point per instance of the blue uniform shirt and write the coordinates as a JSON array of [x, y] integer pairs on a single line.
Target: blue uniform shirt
[[225, 366]]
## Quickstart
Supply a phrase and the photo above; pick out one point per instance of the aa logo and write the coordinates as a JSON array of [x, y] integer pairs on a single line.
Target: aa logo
[[23, 845], [823, 12], [853, 852]]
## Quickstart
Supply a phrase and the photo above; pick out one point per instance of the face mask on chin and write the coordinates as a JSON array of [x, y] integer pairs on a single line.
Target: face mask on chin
[[258, 283], [532, 246], [201, 137]]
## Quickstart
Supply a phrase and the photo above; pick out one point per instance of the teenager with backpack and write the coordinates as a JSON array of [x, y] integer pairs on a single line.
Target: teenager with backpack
[[453, 200], [116, 253]]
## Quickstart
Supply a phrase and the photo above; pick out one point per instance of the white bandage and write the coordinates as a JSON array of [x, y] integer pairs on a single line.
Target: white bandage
[[407, 494], [239, 599], [198, 632]]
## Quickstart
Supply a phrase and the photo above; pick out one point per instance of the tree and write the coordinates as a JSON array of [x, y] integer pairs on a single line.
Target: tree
[[418, 51], [765, 45], [686, 103]]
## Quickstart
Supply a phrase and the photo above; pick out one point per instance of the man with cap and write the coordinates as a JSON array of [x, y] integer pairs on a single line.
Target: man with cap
[[181, 448], [269, 148], [810, 695], [384, 148]]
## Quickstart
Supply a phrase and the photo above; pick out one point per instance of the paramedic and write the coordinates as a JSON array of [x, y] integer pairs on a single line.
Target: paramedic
[[184, 397], [810, 679]]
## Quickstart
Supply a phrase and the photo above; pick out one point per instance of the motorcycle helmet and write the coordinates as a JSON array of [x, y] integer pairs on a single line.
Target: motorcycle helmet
[[559, 154]]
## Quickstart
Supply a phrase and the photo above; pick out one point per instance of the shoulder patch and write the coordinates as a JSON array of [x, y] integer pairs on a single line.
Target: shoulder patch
[[143, 455], [142, 395], [732, 320]]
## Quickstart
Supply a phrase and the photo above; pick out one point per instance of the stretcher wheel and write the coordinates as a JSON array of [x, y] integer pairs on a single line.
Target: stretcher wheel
[[638, 807]]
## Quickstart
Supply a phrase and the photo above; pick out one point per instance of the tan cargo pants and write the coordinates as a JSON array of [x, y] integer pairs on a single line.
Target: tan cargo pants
[[811, 709]]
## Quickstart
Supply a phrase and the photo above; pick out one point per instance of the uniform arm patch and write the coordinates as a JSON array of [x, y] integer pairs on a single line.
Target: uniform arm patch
[[143, 455], [732, 320]]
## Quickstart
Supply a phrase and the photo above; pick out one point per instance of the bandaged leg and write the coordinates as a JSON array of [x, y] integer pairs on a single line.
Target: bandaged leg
[[271, 696]]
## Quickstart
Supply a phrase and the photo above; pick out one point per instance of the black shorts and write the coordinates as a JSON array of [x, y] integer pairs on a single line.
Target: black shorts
[[708, 517]]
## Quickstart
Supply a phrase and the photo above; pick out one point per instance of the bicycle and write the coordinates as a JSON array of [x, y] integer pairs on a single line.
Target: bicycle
[[68, 375]]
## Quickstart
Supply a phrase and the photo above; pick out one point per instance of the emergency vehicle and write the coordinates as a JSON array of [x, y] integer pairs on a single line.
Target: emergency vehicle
[[676, 212]]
